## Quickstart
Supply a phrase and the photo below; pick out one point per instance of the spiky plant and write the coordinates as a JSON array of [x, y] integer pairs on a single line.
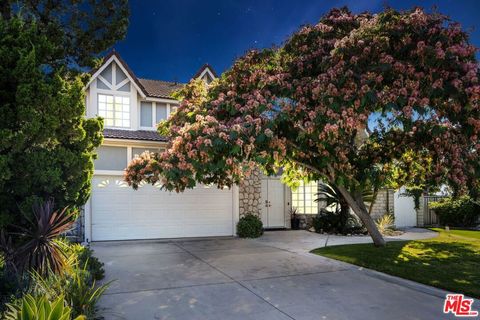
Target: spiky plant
[[39, 308], [40, 251], [385, 222]]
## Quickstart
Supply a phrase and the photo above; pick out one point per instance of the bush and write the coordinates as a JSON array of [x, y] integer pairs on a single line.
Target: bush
[[249, 226], [333, 222], [75, 282], [459, 212], [38, 308], [85, 258], [385, 222], [81, 294], [36, 247]]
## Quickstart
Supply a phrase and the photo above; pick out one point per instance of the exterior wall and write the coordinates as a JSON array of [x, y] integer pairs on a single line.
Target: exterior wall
[[135, 96], [249, 194], [306, 221], [380, 206], [420, 211], [77, 233]]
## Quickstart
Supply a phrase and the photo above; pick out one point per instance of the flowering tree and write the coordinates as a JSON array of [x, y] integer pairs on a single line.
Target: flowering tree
[[409, 79]]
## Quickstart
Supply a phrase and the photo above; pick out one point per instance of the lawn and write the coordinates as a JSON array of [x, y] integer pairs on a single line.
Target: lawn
[[450, 261]]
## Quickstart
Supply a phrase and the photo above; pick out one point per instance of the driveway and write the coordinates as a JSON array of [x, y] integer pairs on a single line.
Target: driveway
[[273, 277]]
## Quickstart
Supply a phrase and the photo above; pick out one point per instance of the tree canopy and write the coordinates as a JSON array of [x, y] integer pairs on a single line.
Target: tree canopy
[[344, 101], [46, 144]]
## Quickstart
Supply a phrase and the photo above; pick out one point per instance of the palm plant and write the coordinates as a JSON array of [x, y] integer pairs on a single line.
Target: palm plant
[[330, 194]]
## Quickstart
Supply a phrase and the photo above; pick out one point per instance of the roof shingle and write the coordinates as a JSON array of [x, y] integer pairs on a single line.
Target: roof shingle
[[134, 135], [159, 88]]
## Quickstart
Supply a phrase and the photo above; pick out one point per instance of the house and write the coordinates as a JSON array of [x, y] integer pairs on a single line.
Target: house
[[131, 108]]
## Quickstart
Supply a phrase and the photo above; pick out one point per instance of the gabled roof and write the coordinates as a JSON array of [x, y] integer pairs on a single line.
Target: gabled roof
[[148, 87], [207, 67]]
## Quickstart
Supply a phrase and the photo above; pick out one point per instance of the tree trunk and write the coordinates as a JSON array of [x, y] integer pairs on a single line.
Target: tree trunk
[[355, 201], [344, 215]]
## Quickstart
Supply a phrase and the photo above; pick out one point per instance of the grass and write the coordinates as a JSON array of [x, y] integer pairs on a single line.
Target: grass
[[450, 261]]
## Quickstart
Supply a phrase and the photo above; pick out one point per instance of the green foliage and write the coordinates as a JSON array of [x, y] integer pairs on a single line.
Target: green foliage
[[334, 222], [416, 193], [340, 220], [75, 280], [81, 294], [47, 146], [457, 212], [385, 223], [78, 30], [87, 260], [39, 308], [249, 226]]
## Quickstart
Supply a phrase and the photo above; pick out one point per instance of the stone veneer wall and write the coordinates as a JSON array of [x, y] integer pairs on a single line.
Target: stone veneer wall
[[380, 206], [249, 194]]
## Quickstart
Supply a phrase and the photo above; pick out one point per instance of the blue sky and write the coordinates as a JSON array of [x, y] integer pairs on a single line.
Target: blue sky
[[171, 39]]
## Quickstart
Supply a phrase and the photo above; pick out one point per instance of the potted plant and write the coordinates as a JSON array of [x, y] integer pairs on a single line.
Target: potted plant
[[294, 219]]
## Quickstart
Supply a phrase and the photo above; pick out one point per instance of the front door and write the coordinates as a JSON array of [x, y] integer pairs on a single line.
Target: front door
[[273, 204]]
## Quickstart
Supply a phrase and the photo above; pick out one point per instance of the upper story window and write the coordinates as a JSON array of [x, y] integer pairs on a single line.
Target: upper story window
[[151, 113], [115, 110]]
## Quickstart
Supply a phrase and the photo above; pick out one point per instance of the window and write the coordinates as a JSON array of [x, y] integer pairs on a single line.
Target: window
[[115, 110], [161, 112], [111, 158], [145, 114], [304, 198]]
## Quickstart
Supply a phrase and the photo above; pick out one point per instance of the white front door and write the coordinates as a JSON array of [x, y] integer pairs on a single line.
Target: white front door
[[272, 203]]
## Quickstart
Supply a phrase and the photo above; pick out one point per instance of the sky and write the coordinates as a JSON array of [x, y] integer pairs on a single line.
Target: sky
[[171, 39]]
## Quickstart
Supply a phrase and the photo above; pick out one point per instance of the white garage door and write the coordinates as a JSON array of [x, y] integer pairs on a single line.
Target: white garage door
[[119, 213]]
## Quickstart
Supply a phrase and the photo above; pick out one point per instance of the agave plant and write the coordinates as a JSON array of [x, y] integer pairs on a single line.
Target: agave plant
[[385, 222], [39, 308], [40, 251]]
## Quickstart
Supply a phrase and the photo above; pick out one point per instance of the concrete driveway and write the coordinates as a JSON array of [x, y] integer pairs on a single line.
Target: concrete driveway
[[266, 278]]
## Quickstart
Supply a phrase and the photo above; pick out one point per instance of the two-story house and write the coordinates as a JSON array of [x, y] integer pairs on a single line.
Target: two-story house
[[131, 108]]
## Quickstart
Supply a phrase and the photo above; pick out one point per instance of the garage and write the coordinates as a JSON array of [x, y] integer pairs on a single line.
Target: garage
[[120, 213]]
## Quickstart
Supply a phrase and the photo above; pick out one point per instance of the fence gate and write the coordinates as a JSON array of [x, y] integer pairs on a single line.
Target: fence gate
[[429, 216]]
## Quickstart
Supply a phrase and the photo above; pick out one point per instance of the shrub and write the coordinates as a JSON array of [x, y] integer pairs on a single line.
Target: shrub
[[80, 293], [457, 212], [385, 223], [249, 226], [334, 222], [85, 258], [35, 247], [327, 221], [39, 308]]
